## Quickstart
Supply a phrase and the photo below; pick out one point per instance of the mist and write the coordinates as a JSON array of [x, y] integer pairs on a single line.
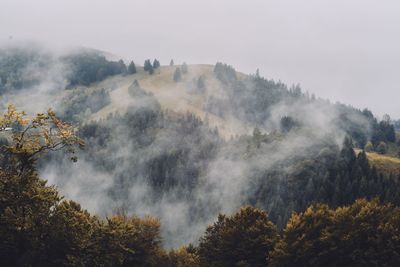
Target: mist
[[342, 50], [115, 174]]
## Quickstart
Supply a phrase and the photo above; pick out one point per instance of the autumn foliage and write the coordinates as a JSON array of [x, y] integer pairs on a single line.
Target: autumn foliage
[[39, 228]]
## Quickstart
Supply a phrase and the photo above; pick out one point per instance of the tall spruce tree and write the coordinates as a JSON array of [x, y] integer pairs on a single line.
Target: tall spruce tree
[[132, 68], [148, 66], [156, 64]]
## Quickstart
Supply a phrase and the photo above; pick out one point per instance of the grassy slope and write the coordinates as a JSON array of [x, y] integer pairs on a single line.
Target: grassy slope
[[384, 163], [171, 95]]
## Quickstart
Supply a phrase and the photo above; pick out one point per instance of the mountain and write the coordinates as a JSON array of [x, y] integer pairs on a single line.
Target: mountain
[[187, 142]]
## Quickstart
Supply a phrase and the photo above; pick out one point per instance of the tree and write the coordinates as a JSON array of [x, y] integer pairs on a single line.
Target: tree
[[225, 73], [243, 239], [177, 75], [201, 83], [171, 63], [381, 148], [34, 137], [38, 229], [363, 234], [148, 66], [128, 241], [184, 68], [122, 67], [132, 68], [182, 257], [151, 71], [26, 202], [69, 237], [369, 147], [287, 123], [156, 64]]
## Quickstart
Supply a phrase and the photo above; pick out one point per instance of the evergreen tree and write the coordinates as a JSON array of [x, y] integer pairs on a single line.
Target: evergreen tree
[[156, 64], [171, 63], [151, 70], [381, 148], [122, 67], [177, 75], [201, 83], [184, 68], [132, 68], [148, 66], [287, 123]]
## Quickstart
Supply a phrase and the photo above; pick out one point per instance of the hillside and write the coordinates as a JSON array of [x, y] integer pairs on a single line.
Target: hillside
[[384, 163], [207, 141], [174, 96]]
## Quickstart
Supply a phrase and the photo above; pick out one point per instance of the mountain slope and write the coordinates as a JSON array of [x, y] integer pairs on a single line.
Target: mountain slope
[[172, 95], [384, 163]]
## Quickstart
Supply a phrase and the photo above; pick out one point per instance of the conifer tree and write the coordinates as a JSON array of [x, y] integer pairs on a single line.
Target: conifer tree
[[177, 75], [184, 68], [156, 64], [132, 68]]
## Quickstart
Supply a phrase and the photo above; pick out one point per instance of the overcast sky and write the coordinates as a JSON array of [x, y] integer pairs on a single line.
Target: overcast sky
[[345, 50]]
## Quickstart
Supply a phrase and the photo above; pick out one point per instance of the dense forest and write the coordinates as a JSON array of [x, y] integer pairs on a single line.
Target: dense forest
[[39, 228], [22, 68], [157, 187]]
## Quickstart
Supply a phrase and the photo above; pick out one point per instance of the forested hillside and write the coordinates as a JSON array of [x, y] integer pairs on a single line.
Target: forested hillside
[[39, 228], [234, 169]]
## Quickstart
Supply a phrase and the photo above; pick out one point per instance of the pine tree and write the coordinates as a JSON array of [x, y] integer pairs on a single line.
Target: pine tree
[[122, 67], [201, 84], [148, 66], [184, 68], [156, 64], [131, 68], [177, 75]]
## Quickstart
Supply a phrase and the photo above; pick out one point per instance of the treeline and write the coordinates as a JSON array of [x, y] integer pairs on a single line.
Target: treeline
[[362, 234], [252, 98], [172, 152], [173, 163], [38, 228], [89, 67], [77, 106], [324, 171], [20, 67]]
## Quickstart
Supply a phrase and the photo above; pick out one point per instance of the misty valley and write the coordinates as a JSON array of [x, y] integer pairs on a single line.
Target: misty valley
[[108, 162]]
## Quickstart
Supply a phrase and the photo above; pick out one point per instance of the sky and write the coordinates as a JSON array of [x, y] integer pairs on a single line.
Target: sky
[[344, 50]]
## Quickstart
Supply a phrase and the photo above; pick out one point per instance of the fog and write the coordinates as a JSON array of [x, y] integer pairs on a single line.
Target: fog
[[343, 50], [226, 183], [117, 171]]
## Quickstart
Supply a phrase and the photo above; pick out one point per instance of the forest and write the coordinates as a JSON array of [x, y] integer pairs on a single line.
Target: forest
[[40, 228], [150, 186]]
